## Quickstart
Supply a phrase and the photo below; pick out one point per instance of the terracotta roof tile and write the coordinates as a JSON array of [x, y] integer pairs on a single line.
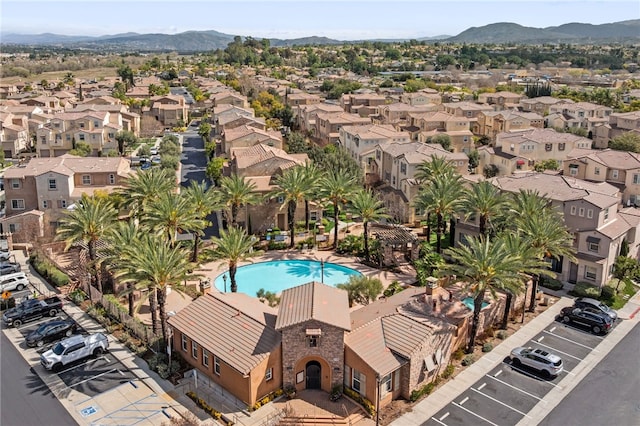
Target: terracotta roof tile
[[314, 301]]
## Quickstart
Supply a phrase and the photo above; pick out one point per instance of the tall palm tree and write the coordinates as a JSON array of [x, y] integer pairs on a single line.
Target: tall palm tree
[[203, 201], [312, 177], [337, 188], [484, 266], [233, 245], [441, 196], [236, 192], [369, 208], [485, 200], [426, 171], [291, 185], [153, 264], [92, 219], [169, 213], [145, 186]]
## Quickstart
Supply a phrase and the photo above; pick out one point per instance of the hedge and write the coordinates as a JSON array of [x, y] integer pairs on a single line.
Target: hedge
[[552, 283], [49, 271], [583, 289], [368, 405]]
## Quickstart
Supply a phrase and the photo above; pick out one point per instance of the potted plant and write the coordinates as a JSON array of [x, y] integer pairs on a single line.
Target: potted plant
[[290, 391], [336, 392]]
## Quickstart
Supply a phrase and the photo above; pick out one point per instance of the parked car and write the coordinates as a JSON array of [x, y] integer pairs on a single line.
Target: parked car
[[549, 364], [5, 255], [13, 282], [32, 309], [9, 267], [73, 349], [154, 151], [51, 331], [593, 305], [599, 322]]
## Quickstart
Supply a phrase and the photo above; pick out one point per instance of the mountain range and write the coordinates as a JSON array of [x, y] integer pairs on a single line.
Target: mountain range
[[198, 41]]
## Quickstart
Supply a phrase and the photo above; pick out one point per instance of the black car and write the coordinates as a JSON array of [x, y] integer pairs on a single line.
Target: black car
[[598, 322], [50, 331], [594, 305]]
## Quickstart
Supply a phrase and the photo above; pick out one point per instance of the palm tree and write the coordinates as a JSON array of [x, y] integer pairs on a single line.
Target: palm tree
[[291, 185], [369, 208], [92, 219], [312, 177], [145, 186], [203, 201], [337, 188], [169, 213], [485, 200], [236, 192], [426, 171], [484, 265], [441, 196], [233, 245], [155, 265]]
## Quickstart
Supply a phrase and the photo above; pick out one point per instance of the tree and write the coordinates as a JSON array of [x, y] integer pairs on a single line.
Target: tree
[[549, 164], [426, 171], [154, 265], [234, 246], [236, 192], [474, 160], [204, 130], [312, 176], [297, 143], [170, 214], [143, 187], [214, 169], [292, 185], [203, 201], [126, 75], [362, 289], [125, 138], [483, 199], [483, 266], [81, 149], [624, 268], [629, 141], [337, 188], [369, 208], [490, 170], [92, 219], [442, 139]]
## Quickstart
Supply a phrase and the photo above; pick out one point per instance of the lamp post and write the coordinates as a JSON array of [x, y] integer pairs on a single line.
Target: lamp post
[[524, 302], [377, 399], [322, 271], [224, 279]]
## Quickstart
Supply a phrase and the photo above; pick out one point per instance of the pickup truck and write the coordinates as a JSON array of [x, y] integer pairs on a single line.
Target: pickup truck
[[73, 349], [32, 309]]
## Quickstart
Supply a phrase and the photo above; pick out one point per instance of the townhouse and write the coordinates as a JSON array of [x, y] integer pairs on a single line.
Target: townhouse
[[305, 116], [491, 123], [399, 114], [360, 141], [362, 104], [430, 124], [50, 185], [14, 134], [297, 99], [246, 136], [541, 105], [619, 124], [583, 115], [501, 100], [421, 97], [327, 125], [169, 110], [520, 150]]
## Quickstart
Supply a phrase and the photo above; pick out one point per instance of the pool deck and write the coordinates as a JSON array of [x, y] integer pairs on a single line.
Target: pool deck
[[176, 302]]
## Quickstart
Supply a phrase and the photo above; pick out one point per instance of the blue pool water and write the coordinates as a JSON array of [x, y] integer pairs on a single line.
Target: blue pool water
[[468, 301], [278, 275]]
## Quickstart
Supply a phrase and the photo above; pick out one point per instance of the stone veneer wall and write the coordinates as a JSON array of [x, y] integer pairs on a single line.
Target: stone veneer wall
[[295, 346]]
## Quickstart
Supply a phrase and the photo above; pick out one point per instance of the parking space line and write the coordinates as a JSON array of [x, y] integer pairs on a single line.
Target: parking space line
[[573, 327], [498, 373], [464, 400], [559, 351], [517, 388], [540, 339], [553, 329], [482, 386], [500, 402], [477, 415], [569, 340], [438, 421], [90, 378], [526, 373], [444, 416]]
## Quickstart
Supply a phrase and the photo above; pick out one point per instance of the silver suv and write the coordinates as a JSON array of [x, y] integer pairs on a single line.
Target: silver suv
[[550, 365]]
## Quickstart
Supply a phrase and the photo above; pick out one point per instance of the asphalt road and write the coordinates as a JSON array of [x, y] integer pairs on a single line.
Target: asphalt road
[[609, 394], [194, 165], [24, 399]]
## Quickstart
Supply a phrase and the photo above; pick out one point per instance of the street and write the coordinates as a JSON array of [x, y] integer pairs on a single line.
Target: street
[[24, 399], [608, 394]]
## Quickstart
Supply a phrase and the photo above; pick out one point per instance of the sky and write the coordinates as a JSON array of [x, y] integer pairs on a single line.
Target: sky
[[338, 19]]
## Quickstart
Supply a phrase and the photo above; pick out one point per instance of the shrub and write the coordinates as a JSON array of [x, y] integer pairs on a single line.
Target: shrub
[[458, 354], [277, 245], [203, 404], [77, 296], [368, 406], [583, 289], [424, 390], [487, 347], [552, 283], [448, 371], [7, 303], [468, 360], [608, 293], [502, 334]]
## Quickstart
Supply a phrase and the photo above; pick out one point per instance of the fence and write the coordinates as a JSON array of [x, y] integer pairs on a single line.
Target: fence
[[115, 309]]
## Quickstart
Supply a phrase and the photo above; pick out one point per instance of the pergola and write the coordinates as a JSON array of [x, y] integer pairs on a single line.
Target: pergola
[[395, 238]]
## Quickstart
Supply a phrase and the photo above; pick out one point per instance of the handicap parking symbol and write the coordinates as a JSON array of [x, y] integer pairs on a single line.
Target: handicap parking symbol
[[86, 412]]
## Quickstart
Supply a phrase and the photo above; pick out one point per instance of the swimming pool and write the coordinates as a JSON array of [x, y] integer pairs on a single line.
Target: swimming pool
[[468, 301], [278, 275]]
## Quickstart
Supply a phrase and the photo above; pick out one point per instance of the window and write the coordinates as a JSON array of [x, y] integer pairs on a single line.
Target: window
[[62, 204], [194, 349], [14, 227], [216, 365], [269, 375], [581, 212], [45, 204], [594, 247], [53, 185], [386, 385], [81, 136], [358, 381], [17, 204], [280, 199], [313, 341], [589, 213], [81, 125], [15, 183], [205, 357], [403, 168], [590, 272], [596, 171], [96, 124], [614, 174], [636, 178], [86, 179], [112, 179], [573, 210], [573, 169], [184, 342], [606, 214], [561, 146], [548, 147]]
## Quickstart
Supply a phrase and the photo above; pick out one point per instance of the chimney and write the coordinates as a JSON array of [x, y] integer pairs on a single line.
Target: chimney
[[432, 284]]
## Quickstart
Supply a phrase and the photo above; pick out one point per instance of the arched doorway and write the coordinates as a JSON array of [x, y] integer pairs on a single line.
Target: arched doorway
[[313, 371]]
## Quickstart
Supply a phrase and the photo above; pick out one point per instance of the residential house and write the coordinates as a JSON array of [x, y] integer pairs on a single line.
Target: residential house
[[229, 98], [328, 125], [584, 115], [360, 141], [119, 115], [619, 124], [520, 150], [456, 127], [491, 123], [501, 100], [619, 168], [228, 113], [421, 98], [541, 105], [51, 185], [8, 90], [305, 116], [48, 104], [297, 99], [170, 110], [364, 104], [14, 134], [246, 135], [399, 114]]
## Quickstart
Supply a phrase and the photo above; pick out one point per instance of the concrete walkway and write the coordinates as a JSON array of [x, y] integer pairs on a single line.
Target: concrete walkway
[[431, 405]]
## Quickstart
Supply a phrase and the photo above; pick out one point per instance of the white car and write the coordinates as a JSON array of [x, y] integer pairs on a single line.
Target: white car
[[4, 256], [73, 349], [550, 365]]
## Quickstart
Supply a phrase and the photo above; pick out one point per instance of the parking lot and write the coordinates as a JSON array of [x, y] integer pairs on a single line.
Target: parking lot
[[507, 393], [90, 376]]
